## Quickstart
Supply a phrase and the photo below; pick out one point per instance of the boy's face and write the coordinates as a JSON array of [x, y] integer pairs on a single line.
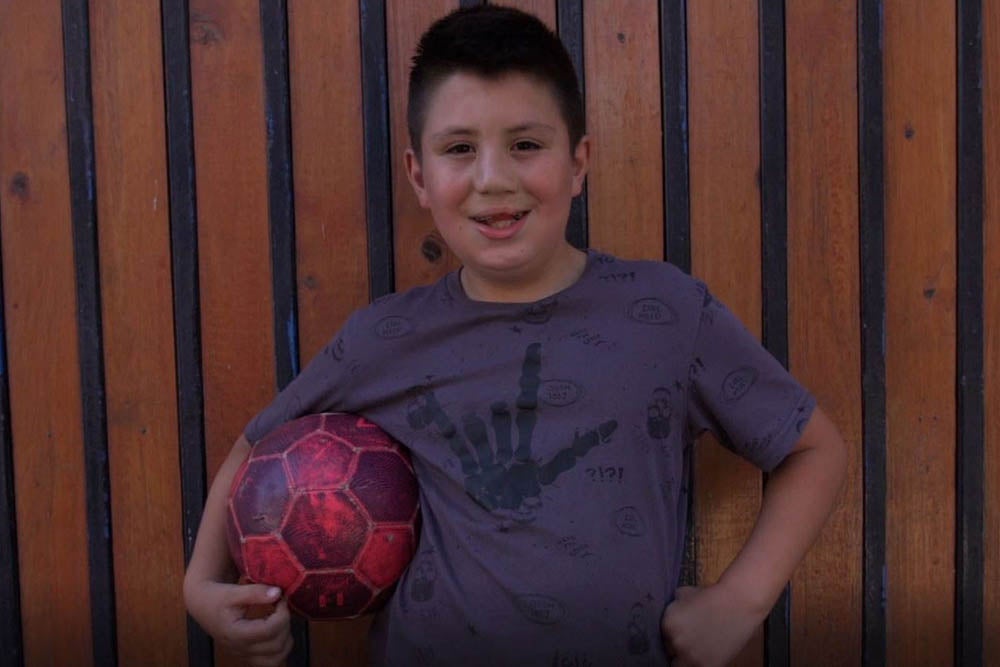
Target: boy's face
[[497, 172]]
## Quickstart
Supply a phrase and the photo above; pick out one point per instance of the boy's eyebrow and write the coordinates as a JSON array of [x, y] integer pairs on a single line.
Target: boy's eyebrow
[[468, 131]]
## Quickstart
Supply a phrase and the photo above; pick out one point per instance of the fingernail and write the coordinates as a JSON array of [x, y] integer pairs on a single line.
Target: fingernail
[[273, 592]]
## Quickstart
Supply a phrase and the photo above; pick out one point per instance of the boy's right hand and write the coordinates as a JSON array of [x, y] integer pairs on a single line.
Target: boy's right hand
[[225, 611]]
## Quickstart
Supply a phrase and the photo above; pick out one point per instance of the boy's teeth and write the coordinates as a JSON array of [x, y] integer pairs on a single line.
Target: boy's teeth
[[498, 222]]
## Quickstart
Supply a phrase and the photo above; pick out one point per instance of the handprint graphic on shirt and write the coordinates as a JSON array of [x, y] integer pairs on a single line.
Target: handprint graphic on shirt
[[504, 475]]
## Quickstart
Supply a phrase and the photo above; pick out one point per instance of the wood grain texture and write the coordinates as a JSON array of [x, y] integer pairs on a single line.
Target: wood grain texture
[[991, 330], [420, 253], [824, 302], [625, 185], [920, 141], [723, 103], [330, 229], [40, 312], [233, 233], [138, 330], [543, 9]]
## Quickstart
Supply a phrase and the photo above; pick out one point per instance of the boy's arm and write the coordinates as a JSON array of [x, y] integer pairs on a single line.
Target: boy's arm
[[211, 597], [709, 626]]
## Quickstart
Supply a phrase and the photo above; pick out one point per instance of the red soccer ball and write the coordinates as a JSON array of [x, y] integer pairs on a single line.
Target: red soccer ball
[[325, 507]]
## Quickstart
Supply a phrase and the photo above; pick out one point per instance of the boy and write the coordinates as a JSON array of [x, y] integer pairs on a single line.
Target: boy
[[549, 397]]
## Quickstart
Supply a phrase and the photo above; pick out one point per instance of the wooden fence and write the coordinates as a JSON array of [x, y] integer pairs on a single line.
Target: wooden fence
[[195, 193]]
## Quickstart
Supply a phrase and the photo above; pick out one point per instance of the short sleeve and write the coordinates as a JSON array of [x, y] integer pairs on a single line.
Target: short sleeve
[[318, 388], [740, 392]]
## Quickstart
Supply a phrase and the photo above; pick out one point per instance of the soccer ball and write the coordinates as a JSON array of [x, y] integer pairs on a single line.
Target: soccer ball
[[326, 508]]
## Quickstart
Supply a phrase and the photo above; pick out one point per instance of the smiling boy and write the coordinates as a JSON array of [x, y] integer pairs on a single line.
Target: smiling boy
[[550, 398]]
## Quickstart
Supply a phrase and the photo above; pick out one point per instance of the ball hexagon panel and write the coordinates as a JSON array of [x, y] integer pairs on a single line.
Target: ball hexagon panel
[[385, 485], [262, 497], [330, 595], [279, 439], [325, 529], [268, 560], [388, 551], [319, 462]]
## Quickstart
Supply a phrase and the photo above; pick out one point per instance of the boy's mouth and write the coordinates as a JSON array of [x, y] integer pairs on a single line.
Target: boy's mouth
[[499, 220]]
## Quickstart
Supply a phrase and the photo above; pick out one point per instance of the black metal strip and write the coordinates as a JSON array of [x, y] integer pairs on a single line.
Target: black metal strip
[[969, 482], [187, 304], [676, 175], [774, 255], [281, 214], [378, 166], [569, 21], [11, 639], [83, 209], [871, 214], [677, 203]]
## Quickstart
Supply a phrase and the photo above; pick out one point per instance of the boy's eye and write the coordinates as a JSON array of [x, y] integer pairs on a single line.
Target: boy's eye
[[526, 145], [459, 149]]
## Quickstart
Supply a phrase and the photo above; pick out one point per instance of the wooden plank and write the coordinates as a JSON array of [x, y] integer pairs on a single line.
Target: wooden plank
[[138, 330], [543, 9], [233, 234], [823, 260], [40, 312], [920, 359], [991, 225], [625, 185], [725, 248], [421, 255], [330, 230]]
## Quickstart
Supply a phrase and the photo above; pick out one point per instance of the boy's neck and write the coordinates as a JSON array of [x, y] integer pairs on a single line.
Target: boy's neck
[[564, 270]]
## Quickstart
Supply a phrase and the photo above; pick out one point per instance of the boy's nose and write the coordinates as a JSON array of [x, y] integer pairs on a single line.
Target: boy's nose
[[492, 172]]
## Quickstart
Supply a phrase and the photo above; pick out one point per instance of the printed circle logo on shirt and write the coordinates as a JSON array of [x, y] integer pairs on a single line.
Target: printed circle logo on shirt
[[560, 393], [393, 326], [540, 609], [738, 383], [629, 522], [652, 311]]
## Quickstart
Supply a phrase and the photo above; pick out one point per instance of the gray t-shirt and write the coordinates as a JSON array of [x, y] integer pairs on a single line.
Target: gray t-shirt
[[551, 442]]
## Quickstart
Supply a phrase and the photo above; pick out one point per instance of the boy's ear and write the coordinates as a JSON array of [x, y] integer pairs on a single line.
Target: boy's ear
[[581, 163], [415, 175]]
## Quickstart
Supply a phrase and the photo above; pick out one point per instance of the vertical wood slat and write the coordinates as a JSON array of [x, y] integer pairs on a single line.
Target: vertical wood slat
[[624, 200], [991, 224], [920, 356], [824, 303], [83, 212], [330, 204], [40, 306], [969, 480], [774, 257], [281, 222], [185, 284], [11, 642], [138, 328], [871, 214], [233, 233], [725, 242], [419, 252]]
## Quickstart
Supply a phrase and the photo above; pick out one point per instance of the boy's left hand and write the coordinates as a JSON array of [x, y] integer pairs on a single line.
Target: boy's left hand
[[706, 627]]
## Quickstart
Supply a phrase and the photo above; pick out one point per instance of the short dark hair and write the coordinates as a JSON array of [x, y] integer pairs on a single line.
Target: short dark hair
[[490, 41]]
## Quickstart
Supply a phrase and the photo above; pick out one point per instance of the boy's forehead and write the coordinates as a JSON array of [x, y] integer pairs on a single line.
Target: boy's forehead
[[463, 86]]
